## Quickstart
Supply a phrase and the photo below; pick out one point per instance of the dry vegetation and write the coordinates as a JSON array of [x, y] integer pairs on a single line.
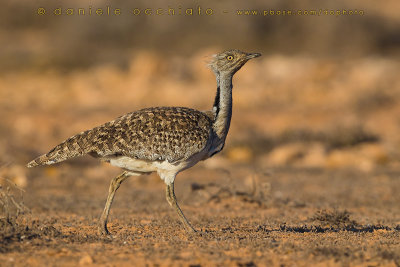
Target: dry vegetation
[[309, 174]]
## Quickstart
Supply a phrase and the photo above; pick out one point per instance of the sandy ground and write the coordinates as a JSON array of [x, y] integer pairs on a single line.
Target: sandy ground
[[280, 217], [309, 175]]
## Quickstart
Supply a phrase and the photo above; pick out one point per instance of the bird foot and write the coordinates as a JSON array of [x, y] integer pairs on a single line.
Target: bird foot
[[198, 233], [102, 230], [189, 228]]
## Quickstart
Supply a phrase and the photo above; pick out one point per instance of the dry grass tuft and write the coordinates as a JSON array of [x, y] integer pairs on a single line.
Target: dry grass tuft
[[334, 218]]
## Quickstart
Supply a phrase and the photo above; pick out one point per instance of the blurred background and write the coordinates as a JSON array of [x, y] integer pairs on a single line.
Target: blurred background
[[325, 93], [310, 170]]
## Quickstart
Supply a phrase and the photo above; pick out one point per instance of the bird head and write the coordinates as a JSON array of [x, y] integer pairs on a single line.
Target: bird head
[[230, 61]]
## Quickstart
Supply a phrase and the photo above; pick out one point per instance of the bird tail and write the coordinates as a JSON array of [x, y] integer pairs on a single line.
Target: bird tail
[[74, 146]]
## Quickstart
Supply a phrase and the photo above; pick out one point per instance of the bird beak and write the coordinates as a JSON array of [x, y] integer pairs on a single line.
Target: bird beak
[[253, 55]]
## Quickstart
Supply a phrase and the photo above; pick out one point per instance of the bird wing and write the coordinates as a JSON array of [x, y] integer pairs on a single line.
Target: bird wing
[[164, 133]]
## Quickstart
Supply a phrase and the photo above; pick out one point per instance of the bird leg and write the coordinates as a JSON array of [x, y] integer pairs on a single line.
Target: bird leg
[[173, 202], [115, 183]]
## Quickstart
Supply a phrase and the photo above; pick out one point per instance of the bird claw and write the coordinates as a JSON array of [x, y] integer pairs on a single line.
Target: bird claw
[[102, 230]]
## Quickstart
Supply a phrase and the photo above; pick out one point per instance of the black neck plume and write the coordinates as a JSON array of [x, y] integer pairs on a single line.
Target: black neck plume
[[217, 99]]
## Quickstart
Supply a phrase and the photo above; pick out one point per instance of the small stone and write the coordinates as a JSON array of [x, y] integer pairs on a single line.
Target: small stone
[[85, 260]]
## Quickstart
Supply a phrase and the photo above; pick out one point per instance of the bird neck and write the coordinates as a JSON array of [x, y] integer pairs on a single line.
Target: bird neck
[[223, 105]]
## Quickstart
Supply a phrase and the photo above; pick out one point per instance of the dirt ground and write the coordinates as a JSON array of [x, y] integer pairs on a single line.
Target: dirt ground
[[309, 175], [287, 217]]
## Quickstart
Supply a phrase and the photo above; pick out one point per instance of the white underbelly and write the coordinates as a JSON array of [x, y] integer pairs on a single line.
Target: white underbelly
[[135, 165], [166, 170]]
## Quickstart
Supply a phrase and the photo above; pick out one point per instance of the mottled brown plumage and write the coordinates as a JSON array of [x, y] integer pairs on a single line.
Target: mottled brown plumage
[[161, 133], [166, 140]]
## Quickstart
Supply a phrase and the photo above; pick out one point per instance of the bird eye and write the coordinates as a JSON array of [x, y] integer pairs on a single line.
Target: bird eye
[[229, 57]]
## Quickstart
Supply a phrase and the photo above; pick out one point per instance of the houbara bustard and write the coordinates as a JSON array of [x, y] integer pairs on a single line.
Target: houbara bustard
[[166, 140]]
